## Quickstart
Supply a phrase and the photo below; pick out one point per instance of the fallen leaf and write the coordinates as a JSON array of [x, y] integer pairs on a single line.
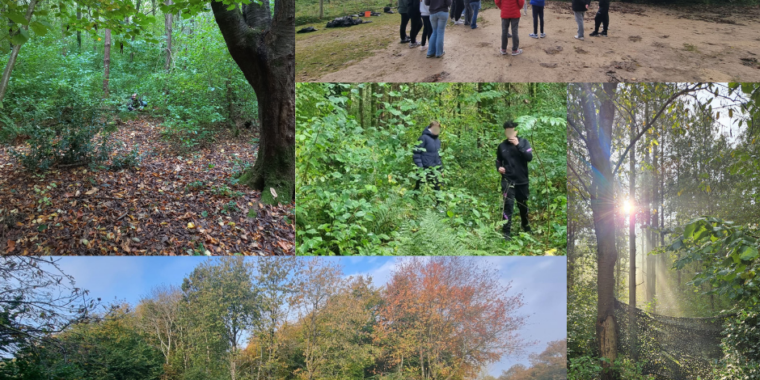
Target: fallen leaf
[[11, 246], [190, 225], [551, 252], [274, 193], [93, 191]]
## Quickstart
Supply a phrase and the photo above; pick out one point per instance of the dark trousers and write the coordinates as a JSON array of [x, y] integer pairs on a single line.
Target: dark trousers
[[602, 18], [427, 30], [404, 22], [538, 14], [506, 23], [457, 8], [431, 180], [416, 19], [511, 194]]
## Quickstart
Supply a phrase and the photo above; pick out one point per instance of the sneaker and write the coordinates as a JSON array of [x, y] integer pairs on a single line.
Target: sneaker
[[517, 52], [507, 237], [440, 56], [603, 34], [594, 34], [543, 35], [578, 38], [474, 27], [533, 35], [413, 45], [423, 48], [429, 56], [406, 40], [509, 35], [503, 52], [460, 22]]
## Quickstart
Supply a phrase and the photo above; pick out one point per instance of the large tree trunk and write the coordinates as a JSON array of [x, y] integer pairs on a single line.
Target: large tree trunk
[[263, 46], [168, 28], [598, 127], [14, 54], [106, 62]]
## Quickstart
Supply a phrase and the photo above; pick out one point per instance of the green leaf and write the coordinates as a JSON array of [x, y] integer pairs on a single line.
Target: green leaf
[[21, 37], [38, 28], [231, 7], [749, 253], [18, 18]]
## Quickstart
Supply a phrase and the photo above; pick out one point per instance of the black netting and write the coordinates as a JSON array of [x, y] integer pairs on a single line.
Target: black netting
[[673, 348]]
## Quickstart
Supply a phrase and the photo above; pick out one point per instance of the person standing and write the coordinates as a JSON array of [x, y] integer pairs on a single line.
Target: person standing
[[579, 8], [416, 19], [426, 155], [439, 15], [457, 10], [403, 10], [538, 14], [602, 18], [427, 29], [512, 157], [510, 17], [474, 5]]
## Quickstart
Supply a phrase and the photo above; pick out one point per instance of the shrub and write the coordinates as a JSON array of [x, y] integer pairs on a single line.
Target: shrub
[[741, 347]]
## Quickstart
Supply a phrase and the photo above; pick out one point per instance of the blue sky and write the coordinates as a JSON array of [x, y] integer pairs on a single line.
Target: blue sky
[[541, 280]]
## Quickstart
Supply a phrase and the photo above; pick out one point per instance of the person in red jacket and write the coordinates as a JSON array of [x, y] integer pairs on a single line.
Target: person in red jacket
[[510, 16]]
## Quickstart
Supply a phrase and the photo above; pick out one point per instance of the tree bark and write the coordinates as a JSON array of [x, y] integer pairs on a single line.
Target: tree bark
[[168, 29], [598, 125], [137, 10], [263, 46], [14, 54], [106, 62], [632, 247], [79, 32]]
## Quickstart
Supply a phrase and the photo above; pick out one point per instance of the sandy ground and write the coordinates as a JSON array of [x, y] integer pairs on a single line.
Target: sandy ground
[[645, 43]]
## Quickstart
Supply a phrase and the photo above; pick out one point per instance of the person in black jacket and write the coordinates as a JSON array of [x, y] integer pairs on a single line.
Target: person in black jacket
[[602, 18], [579, 8], [426, 154], [512, 157]]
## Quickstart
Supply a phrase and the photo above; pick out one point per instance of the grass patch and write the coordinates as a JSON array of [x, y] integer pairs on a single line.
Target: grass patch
[[328, 50], [307, 12], [690, 47]]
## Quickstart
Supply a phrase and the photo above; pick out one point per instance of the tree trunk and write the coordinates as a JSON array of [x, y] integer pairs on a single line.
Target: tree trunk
[[168, 29], [361, 105], [263, 46], [137, 10], [106, 62], [598, 127], [655, 222], [79, 33], [14, 54], [321, 8], [632, 246]]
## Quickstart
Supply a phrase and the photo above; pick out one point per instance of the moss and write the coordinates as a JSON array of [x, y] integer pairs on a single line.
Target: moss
[[269, 175]]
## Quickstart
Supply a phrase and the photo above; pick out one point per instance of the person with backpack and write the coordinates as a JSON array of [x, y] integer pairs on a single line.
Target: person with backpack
[[579, 8], [403, 9], [416, 19], [426, 155], [602, 18], [427, 29], [512, 157], [538, 14], [439, 16], [510, 17]]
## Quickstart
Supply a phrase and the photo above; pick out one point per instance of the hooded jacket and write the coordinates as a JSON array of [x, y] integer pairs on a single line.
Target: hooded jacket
[[514, 159], [510, 8], [426, 152], [403, 6], [538, 3]]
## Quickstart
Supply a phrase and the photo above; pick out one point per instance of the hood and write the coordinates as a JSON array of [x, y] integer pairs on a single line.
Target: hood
[[427, 132]]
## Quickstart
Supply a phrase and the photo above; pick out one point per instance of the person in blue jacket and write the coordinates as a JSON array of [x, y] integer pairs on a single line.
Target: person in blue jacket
[[538, 14], [426, 155], [512, 157]]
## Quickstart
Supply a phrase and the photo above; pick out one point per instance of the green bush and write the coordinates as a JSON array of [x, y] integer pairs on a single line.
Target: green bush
[[741, 347]]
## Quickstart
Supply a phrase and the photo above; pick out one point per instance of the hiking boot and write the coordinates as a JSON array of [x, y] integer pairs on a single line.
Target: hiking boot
[[517, 52], [533, 35], [594, 34]]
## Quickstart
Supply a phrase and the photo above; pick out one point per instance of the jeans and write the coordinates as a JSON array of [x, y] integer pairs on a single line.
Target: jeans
[[427, 30], [579, 21], [438, 22], [602, 18], [505, 24], [404, 22], [475, 5], [538, 13]]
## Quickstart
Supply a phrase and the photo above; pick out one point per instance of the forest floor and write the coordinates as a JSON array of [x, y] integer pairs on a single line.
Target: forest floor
[[645, 44], [168, 205]]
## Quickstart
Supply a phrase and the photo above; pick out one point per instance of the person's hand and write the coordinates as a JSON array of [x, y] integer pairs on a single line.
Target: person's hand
[[502, 170], [513, 140]]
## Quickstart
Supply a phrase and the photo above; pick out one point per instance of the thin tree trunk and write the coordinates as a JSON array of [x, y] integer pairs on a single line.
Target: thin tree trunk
[[632, 247], [14, 54], [106, 62], [168, 29], [79, 33]]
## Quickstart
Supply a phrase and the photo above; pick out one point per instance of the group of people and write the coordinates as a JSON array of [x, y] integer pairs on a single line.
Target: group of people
[[512, 157], [431, 17]]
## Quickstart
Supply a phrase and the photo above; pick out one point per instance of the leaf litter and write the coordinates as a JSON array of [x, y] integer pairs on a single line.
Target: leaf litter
[[168, 205]]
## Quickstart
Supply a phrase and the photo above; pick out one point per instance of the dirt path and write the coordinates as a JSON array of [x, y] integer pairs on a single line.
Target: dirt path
[[645, 44]]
